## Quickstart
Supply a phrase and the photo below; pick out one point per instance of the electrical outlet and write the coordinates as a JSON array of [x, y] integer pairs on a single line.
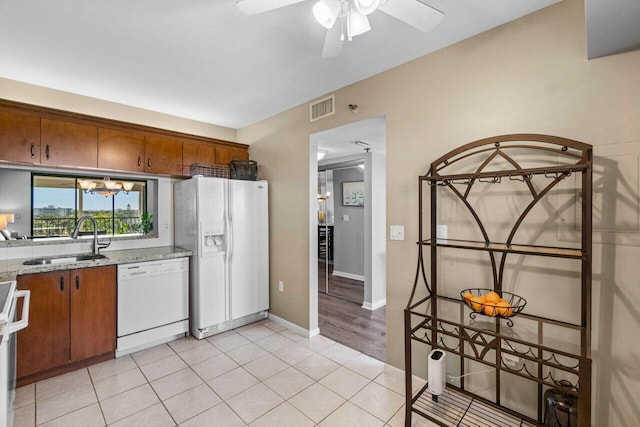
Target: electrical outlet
[[281, 286]]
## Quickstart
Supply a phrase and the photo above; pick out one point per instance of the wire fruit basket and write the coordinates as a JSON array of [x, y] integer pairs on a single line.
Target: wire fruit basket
[[492, 303]]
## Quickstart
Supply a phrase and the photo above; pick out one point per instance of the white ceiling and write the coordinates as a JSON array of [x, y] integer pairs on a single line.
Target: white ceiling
[[612, 26], [339, 142], [204, 60]]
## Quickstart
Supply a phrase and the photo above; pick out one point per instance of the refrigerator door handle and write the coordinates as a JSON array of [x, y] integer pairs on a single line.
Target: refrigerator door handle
[[229, 226], [229, 221]]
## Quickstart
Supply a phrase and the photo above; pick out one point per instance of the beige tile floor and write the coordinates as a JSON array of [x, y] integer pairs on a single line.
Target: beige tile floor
[[258, 375]]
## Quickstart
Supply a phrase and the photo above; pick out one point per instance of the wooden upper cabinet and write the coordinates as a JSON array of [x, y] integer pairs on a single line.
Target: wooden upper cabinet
[[93, 312], [197, 152], [163, 155], [225, 154], [68, 144], [19, 136], [120, 150]]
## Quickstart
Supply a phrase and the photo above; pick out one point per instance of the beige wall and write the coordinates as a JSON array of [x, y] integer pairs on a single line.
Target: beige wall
[[38, 95], [530, 75]]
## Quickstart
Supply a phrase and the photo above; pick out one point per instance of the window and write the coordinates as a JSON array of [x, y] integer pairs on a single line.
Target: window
[[58, 201]]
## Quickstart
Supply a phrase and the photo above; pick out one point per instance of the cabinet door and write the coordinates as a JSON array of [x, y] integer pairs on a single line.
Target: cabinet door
[[93, 312], [19, 137], [120, 150], [68, 144], [44, 344], [197, 152], [224, 154], [163, 155]]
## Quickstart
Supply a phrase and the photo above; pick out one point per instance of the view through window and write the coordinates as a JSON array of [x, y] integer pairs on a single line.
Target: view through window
[[57, 202]]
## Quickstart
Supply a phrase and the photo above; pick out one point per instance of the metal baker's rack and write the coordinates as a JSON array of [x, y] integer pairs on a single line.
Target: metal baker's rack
[[542, 364]]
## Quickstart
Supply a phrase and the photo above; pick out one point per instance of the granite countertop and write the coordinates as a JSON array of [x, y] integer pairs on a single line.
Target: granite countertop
[[15, 267]]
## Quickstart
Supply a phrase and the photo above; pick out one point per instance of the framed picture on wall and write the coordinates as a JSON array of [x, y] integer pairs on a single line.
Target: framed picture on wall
[[353, 193]]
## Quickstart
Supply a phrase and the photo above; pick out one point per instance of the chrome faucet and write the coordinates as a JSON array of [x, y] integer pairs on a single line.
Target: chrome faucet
[[96, 246]]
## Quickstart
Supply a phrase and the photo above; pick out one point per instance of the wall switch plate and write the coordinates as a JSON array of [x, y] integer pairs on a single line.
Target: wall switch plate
[[397, 232], [345, 217], [281, 286]]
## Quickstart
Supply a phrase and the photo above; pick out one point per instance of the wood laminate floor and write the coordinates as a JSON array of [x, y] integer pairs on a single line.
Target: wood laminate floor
[[345, 321], [340, 287]]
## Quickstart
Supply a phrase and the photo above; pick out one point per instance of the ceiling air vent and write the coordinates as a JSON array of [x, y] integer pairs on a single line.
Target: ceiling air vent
[[323, 108]]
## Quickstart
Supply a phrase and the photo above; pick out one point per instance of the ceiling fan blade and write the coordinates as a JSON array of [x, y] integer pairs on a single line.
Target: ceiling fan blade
[[332, 43], [413, 12], [253, 7]]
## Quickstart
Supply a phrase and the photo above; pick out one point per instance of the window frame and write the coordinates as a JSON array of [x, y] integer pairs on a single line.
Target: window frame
[[79, 191]]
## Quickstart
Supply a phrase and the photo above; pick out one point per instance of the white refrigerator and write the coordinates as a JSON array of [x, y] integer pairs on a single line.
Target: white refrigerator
[[225, 224]]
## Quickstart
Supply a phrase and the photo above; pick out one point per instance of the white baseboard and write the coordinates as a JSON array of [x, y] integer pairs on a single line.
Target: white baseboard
[[374, 306], [348, 275], [295, 328]]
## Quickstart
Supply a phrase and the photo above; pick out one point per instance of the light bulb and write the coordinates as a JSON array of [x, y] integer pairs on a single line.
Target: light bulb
[[366, 7], [358, 23], [326, 12]]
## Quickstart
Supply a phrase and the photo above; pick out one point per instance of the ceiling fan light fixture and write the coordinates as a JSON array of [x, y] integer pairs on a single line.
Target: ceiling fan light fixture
[[326, 12], [358, 23], [366, 7]]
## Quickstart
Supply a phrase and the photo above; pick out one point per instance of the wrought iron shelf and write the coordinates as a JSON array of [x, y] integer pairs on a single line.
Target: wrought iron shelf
[[518, 174], [455, 408], [552, 351], [549, 251]]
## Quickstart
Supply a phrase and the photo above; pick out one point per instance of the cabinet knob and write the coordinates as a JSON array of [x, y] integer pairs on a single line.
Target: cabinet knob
[[149, 162], [46, 151], [61, 283], [77, 282], [139, 161], [33, 152]]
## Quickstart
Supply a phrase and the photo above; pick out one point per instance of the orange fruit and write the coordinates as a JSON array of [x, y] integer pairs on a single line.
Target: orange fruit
[[467, 296], [492, 297], [476, 303], [503, 308], [490, 309]]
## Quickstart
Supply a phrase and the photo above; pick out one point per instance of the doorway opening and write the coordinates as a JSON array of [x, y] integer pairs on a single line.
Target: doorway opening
[[348, 221]]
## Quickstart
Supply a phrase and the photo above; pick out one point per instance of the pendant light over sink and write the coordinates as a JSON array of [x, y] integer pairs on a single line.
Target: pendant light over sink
[[107, 187]]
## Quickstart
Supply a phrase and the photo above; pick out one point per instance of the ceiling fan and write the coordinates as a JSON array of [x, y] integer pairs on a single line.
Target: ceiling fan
[[345, 19]]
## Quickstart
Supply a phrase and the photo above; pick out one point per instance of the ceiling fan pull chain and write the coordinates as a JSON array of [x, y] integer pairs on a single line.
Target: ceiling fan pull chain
[[349, 23], [342, 27]]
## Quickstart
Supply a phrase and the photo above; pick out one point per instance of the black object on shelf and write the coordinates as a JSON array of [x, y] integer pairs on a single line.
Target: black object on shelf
[[244, 169], [561, 407]]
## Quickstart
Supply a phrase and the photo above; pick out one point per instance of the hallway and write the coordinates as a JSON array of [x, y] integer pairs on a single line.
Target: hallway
[[341, 317]]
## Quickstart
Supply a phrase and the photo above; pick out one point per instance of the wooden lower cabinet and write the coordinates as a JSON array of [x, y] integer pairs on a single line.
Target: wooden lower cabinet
[[93, 312], [44, 344], [72, 320]]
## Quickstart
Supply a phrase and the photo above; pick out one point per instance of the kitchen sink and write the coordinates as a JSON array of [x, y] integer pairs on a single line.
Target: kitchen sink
[[64, 260]]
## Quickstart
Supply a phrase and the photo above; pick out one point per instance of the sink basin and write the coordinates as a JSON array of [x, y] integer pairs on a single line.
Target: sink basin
[[64, 260], [89, 257]]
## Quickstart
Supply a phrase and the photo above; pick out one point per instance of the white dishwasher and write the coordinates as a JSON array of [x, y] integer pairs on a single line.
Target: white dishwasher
[[153, 303]]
